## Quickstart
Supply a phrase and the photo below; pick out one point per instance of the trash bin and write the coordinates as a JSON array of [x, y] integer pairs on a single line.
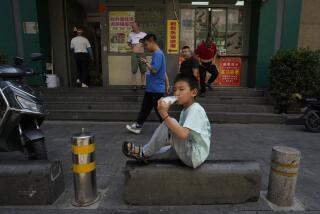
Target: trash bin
[[52, 81], [84, 169]]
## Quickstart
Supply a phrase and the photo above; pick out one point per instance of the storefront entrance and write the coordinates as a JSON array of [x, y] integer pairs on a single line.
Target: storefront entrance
[[118, 22], [108, 23], [228, 23]]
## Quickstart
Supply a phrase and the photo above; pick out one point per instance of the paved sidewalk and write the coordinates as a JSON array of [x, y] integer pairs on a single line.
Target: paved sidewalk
[[230, 142]]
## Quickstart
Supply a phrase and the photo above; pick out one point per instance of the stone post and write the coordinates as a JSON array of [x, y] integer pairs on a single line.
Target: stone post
[[283, 175]]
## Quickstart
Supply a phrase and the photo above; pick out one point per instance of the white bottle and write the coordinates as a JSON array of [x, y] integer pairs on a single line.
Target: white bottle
[[170, 100]]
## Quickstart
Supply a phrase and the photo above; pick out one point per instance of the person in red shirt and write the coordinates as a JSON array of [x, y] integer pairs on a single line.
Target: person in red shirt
[[206, 53]]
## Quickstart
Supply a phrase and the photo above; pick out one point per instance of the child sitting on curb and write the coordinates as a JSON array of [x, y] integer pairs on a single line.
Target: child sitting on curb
[[187, 140]]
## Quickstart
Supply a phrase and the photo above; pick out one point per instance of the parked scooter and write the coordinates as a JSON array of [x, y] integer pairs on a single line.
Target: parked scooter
[[311, 113], [21, 112]]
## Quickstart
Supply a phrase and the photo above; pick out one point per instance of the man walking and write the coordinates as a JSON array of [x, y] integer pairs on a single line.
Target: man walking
[[137, 52], [156, 83], [82, 50], [206, 52]]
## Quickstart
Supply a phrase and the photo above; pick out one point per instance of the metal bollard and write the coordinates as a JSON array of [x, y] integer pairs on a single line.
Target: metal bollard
[[283, 175], [84, 169]]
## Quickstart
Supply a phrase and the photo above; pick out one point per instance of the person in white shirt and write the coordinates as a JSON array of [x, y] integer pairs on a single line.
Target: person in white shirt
[[82, 51], [137, 52]]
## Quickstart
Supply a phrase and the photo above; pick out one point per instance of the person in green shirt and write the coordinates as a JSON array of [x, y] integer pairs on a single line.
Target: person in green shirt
[[187, 140]]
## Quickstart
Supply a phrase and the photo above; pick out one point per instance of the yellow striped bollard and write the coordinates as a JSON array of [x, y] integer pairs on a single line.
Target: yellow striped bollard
[[84, 169], [283, 175]]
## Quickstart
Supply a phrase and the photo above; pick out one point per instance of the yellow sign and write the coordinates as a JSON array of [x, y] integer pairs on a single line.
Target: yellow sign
[[172, 36]]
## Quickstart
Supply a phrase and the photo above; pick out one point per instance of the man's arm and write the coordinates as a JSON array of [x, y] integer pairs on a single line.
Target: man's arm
[[195, 67], [130, 41], [215, 54], [72, 46], [89, 49], [179, 131], [151, 69], [167, 84], [214, 59], [195, 72], [149, 66]]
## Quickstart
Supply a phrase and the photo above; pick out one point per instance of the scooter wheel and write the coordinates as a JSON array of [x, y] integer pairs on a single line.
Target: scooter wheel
[[37, 150], [312, 123]]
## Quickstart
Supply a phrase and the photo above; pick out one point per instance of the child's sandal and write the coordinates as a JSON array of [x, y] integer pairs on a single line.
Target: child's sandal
[[130, 153]]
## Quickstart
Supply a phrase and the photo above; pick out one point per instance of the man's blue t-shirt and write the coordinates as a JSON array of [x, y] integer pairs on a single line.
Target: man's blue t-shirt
[[156, 82]]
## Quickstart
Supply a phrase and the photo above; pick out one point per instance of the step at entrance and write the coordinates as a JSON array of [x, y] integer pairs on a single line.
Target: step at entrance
[[223, 105]]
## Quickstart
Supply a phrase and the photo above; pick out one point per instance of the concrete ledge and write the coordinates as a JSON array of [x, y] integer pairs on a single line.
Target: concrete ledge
[[30, 182], [172, 183]]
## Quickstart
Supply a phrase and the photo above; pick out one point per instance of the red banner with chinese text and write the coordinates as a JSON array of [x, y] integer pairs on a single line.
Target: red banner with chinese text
[[229, 71]]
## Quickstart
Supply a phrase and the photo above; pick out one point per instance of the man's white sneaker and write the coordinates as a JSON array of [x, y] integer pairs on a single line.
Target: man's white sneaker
[[84, 85], [134, 128], [78, 81]]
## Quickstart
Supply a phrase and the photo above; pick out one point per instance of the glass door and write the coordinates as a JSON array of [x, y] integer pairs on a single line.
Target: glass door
[[201, 24], [219, 28], [224, 24]]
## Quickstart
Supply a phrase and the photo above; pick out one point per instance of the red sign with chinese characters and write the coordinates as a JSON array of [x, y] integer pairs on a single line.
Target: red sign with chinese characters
[[172, 36], [229, 71]]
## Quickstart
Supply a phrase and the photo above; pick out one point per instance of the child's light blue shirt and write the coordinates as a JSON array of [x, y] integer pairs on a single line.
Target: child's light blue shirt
[[195, 119]]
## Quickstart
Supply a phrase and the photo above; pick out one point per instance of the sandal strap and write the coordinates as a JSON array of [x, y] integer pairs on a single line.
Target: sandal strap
[[132, 152], [141, 152], [141, 156], [132, 148]]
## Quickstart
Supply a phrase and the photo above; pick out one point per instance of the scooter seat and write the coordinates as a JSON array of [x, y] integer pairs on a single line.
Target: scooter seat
[[8, 70]]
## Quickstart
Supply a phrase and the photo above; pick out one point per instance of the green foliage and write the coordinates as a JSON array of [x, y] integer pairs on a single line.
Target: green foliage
[[294, 71]]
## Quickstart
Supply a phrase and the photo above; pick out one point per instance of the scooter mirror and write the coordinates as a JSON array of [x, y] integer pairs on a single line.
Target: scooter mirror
[[36, 56], [18, 60]]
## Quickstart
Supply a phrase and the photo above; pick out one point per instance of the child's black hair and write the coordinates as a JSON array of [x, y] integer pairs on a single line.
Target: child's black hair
[[190, 79]]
